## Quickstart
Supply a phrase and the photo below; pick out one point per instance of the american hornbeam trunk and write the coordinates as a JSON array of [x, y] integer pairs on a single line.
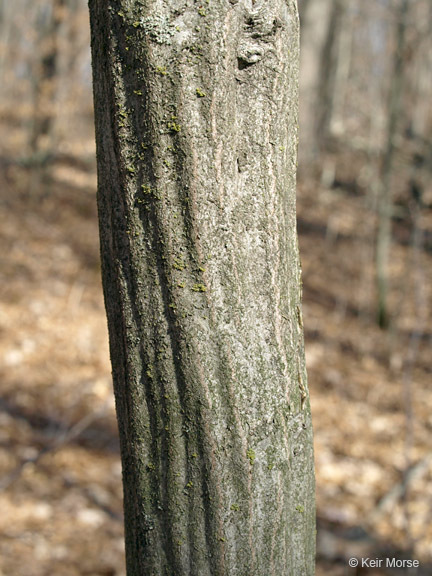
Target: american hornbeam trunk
[[196, 128]]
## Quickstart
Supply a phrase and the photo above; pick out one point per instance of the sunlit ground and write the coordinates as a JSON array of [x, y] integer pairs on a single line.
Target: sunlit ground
[[60, 475]]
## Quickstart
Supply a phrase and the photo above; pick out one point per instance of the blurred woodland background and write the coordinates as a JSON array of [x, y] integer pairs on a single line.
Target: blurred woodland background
[[365, 226]]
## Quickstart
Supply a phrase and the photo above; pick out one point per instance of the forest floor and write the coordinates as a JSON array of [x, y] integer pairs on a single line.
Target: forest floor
[[60, 476]]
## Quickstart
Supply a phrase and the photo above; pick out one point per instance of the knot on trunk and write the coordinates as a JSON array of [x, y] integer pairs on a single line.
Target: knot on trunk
[[259, 30]]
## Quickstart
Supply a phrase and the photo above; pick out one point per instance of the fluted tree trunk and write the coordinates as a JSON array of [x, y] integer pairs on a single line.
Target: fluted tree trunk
[[196, 128]]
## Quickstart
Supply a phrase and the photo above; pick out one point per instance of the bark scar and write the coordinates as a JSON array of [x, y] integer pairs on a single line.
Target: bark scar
[[260, 27]]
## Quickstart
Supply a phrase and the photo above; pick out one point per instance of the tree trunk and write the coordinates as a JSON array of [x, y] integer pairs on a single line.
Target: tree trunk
[[328, 70], [45, 76], [385, 200], [196, 128], [316, 42]]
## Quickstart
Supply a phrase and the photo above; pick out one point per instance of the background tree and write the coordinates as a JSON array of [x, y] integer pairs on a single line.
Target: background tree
[[316, 39], [45, 74], [196, 127], [385, 202]]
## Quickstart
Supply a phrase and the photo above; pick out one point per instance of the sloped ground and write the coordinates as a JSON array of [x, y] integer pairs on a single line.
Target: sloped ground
[[60, 471], [371, 390], [60, 477]]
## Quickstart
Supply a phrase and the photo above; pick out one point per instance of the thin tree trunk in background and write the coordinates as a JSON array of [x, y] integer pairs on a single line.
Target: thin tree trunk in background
[[421, 121], [69, 82], [329, 64], [342, 69], [315, 23], [321, 26], [327, 90], [385, 200], [196, 126], [44, 87], [6, 26]]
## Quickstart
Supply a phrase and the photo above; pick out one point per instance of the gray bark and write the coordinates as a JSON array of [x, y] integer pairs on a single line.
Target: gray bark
[[196, 128]]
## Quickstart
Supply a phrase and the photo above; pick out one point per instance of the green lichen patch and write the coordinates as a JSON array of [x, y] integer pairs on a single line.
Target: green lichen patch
[[162, 70], [250, 453], [179, 263], [200, 93], [194, 53], [196, 49], [199, 288], [173, 126], [188, 487]]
